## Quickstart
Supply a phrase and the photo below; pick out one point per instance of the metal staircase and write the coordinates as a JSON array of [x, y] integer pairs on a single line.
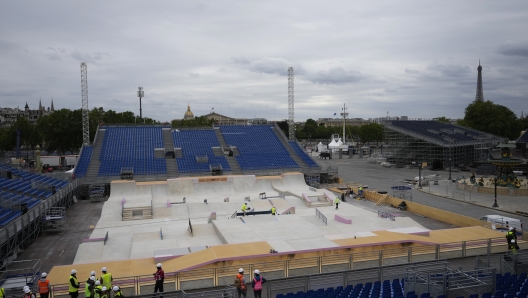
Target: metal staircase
[[172, 166], [304, 167], [93, 168], [231, 160]]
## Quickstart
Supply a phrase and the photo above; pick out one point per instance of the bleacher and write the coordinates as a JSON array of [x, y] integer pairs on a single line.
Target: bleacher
[[259, 148], [303, 155], [131, 147], [22, 189], [511, 286], [195, 143], [523, 138], [84, 161], [440, 131], [387, 289]]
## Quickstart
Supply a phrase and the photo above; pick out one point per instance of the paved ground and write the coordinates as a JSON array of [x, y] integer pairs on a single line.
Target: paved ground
[[60, 248], [381, 178]]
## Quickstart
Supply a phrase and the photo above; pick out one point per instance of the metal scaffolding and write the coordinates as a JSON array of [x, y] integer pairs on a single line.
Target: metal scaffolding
[[404, 147], [54, 220]]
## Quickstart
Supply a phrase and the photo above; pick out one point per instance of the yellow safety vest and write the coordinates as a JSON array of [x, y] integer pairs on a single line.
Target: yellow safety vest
[[2, 292], [97, 291], [71, 288], [87, 292], [337, 201], [104, 295], [118, 294], [244, 207], [107, 280], [273, 210]]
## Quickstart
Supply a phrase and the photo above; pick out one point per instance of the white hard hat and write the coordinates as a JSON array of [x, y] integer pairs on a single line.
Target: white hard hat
[[27, 290], [44, 274], [92, 273], [92, 277], [158, 265], [115, 288], [257, 271], [104, 289], [73, 271], [513, 241], [241, 270], [25, 287], [97, 283], [103, 269], [510, 229]]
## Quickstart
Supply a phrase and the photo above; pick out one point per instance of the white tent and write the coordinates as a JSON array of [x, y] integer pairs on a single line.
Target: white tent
[[321, 147]]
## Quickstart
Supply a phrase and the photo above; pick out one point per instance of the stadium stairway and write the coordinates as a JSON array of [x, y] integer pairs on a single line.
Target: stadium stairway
[[231, 160], [172, 166], [304, 167], [95, 163]]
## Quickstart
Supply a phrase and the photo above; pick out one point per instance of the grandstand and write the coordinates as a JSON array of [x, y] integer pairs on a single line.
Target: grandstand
[[436, 143], [159, 152]]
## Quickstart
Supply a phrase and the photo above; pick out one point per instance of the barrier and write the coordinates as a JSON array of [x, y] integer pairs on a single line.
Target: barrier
[[342, 219], [306, 200], [106, 238]]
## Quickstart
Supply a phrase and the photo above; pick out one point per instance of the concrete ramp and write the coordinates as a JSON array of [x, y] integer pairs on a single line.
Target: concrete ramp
[[214, 188], [244, 184]]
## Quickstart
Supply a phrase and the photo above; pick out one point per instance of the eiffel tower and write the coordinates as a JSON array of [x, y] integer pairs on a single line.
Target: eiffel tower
[[480, 94]]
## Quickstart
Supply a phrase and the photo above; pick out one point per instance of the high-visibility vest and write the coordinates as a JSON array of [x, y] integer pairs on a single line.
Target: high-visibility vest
[[337, 201], [107, 280], [244, 207], [2, 292], [104, 295], [43, 286], [97, 291], [71, 288], [87, 292], [118, 294], [273, 210]]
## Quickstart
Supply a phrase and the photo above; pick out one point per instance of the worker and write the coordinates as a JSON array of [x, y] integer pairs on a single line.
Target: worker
[[104, 292], [343, 197], [106, 279], [28, 293], [117, 292], [273, 210], [336, 202], [92, 273], [44, 285], [73, 285], [89, 287], [2, 293], [159, 277], [244, 207], [240, 283], [513, 246], [509, 237], [98, 289], [360, 191]]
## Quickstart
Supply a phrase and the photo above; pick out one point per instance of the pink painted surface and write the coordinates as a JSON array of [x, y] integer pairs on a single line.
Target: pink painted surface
[[342, 219], [288, 210], [329, 197], [169, 205]]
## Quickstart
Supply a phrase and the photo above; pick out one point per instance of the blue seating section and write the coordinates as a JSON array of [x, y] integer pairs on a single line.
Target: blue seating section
[[511, 286], [523, 138], [387, 289], [131, 147], [197, 143], [259, 148], [84, 161], [439, 130], [19, 190], [303, 155]]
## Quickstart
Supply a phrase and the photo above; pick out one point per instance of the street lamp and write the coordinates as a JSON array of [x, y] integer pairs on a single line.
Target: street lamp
[[450, 169], [140, 94], [495, 180]]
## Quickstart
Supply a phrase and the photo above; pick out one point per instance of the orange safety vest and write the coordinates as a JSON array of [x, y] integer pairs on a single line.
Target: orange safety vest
[[43, 286]]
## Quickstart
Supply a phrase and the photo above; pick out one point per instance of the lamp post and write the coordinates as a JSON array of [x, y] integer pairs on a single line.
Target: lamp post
[[450, 169], [419, 175], [140, 94], [495, 180]]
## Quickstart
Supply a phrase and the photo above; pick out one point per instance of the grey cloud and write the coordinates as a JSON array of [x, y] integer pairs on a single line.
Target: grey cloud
[[240, 60], [273, 65], [411, 71], [514, 49], [85, 57], [450, 70], [194, 74], [335, 76]]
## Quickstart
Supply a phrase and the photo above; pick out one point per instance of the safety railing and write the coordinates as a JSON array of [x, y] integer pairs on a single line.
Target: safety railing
[[321, 216], [275, 267]]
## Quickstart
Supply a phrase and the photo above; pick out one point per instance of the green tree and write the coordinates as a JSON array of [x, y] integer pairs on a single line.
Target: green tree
[[201, 121], [371, 132], [443, 119], [491, 118], [61, 130]]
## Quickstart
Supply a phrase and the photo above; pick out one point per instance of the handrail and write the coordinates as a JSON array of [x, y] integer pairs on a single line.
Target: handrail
[[234, 215], [321, 216], [106, 238]]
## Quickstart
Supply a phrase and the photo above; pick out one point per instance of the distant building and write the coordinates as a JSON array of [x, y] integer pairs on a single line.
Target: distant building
[[329, 122], [188, 114], [222, 119], [8, 116]]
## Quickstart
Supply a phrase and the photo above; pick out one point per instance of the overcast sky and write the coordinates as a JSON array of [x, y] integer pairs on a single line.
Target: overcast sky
[[411, 58]]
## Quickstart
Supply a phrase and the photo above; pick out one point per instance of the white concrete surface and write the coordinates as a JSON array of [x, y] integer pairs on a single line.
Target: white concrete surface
[[292, 232]]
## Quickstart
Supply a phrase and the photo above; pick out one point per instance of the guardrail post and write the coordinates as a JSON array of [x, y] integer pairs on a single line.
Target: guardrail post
[[380, 258], [463, 249], [489, 250], [215, 276], [320, 264], [306, 283], [178, 282], [409, 254], [437, 251], [286, 268], [138, 286], [345, 279], [350, 262]]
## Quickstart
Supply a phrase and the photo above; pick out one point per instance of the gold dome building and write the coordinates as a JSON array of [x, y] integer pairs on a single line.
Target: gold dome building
[[188, 114]]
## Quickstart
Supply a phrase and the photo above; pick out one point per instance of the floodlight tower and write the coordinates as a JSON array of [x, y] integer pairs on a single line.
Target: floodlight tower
[[291, 123], [140, 94], [85, 111]]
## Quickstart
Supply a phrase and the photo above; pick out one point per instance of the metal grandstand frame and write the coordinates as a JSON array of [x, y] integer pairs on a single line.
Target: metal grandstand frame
[[405, 147], [21, 232]]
